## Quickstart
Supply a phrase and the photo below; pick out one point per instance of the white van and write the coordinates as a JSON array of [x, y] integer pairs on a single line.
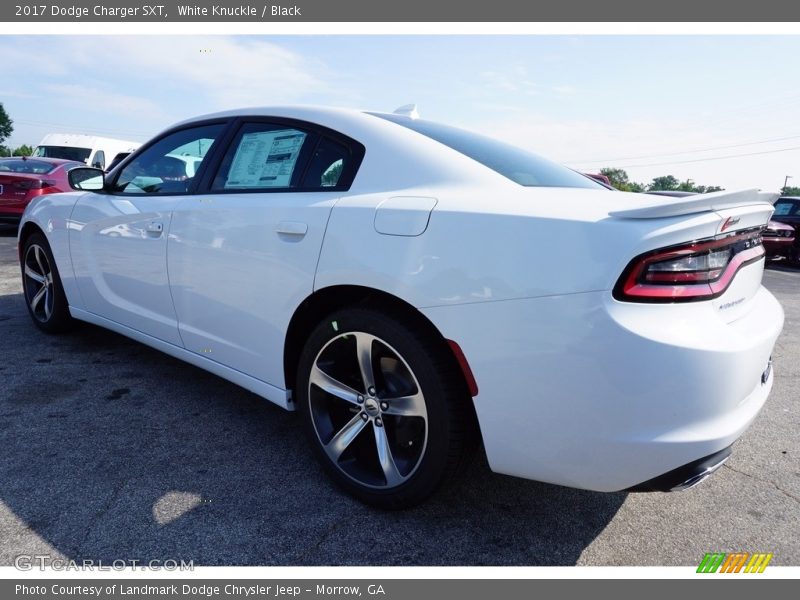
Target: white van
[[93, 150]]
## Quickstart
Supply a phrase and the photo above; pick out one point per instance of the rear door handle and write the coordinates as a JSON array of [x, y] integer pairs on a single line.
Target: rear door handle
[[292, 228]]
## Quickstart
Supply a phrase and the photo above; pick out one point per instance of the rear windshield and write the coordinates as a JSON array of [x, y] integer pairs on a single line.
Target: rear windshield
[[68, 152], [17, 165], [521, 166]]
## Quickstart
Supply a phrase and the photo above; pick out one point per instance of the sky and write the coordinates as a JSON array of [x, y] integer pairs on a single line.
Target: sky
[[716, 109]]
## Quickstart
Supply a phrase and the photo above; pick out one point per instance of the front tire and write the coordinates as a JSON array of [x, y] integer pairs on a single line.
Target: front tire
[[385, 410], [41, 285]]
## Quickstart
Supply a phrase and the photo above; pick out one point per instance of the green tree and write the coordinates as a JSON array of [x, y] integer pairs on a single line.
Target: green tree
[[619, 179], [790, 191], [5, 151], [23, 150], [703, 189], [665, 183], [6, 124]]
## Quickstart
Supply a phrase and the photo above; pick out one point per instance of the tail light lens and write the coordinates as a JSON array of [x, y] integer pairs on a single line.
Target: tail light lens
[[33, 184], [699, 270]]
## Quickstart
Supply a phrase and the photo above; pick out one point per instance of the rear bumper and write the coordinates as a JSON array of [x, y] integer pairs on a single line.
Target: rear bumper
[[778, 246], [584, 391]]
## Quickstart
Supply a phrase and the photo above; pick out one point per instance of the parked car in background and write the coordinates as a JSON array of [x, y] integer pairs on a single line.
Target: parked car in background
[[92, 150], [23, 178], [787, 211], [779, 240], [395, 281]]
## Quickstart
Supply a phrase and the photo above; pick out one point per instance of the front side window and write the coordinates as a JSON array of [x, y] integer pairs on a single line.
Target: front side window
[[170, 164]]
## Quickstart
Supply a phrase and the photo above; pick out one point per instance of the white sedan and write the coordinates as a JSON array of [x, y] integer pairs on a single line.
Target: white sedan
[[413, 289]]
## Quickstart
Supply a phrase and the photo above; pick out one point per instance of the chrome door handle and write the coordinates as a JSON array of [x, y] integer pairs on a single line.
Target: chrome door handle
[[292, 228]]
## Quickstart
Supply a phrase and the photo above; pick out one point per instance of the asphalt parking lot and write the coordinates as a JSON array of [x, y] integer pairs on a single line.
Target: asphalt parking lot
[[110, 450]]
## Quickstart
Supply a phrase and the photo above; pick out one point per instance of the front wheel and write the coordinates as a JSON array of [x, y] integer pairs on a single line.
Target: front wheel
[[386, 412], [41, 284]]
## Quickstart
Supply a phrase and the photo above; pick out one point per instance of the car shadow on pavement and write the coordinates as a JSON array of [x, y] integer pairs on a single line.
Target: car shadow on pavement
[[111, 450], [7, 230]]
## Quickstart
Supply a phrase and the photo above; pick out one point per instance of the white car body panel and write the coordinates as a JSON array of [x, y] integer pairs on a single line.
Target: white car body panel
[[119, 255], [576, 388], [262, 266], [597, 394]]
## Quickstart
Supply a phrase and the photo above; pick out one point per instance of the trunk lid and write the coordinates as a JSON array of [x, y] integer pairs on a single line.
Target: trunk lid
[[656, 207]]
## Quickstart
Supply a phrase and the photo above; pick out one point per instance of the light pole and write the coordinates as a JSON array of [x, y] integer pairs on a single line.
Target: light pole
[[785, 181]]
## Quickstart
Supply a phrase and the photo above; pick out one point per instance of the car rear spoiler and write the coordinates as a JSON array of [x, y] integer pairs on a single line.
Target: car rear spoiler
[[656, 207]]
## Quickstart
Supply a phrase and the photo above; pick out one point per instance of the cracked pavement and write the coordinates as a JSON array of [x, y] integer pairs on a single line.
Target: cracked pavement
[[111, 450]]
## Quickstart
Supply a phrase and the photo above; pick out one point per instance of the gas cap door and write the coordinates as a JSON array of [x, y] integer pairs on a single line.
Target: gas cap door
[[404, 215]]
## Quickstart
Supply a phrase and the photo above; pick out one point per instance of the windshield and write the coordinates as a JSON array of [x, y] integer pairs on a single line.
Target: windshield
[[68, 152], [520, 166], [17, 165]]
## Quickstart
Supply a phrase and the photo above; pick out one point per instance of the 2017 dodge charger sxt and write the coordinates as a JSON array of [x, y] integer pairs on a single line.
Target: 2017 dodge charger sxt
[[412, 288]]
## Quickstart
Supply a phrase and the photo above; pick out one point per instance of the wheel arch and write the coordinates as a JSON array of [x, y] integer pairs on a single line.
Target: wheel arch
[[330, 299], [27, 229]]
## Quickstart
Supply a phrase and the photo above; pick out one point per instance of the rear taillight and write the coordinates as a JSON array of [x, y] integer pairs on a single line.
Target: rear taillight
[[698, 270], [33, 184]]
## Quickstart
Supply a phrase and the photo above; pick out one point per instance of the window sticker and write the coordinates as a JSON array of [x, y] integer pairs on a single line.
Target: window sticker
[[265, 159]]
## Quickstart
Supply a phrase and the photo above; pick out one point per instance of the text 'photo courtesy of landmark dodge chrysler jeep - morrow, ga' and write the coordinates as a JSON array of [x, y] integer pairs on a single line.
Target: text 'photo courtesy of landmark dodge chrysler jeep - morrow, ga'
[[405, 286]]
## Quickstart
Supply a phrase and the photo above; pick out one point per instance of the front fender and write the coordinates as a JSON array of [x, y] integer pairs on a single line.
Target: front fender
[[51, 215]]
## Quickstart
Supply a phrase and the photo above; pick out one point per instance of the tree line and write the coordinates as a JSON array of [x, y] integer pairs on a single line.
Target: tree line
[[619, 179], [6, 129]]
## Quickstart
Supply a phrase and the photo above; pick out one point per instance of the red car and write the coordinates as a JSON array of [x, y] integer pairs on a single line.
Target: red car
[[778, 240], [23, 178], [787, 211]]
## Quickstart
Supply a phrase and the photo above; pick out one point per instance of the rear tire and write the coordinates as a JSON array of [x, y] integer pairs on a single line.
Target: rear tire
[[41, 285], [388, 416]]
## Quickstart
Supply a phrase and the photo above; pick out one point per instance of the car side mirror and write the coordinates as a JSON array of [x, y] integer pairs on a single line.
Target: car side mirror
[[87, 179]]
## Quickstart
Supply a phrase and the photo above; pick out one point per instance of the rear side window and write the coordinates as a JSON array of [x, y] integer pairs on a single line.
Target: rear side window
[[327, 164], [262, 156], [518, 165], [280, 157]]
